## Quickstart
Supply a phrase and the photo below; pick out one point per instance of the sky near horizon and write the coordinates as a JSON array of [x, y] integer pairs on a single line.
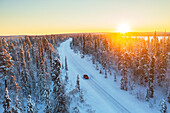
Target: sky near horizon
[[19, 17]]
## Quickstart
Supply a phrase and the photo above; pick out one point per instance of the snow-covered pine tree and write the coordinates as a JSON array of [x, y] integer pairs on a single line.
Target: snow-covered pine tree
[[7, 100], [30, 70], [59, 96], [37, 60], [46, 66], [29, 65], [6, 65], [45, 43], [41, 56], [5, 44], [42, 74], [55, 71], [123, 65], [76, 110], [100, 71], [62, 99], [51, 57], [163, 106], [25, 77], [25, 49], [62, 66], [33, 50], [84, 45], [147, 95], [78, 83], [48, 107], [28, 57], [137, 68], [66, 78], [66, 67], [151, 76], [17, 108], [168, 97], [12, 51], [5, 61], [25, 82], [162, 69], [81, 96], [28, 42], [97, 67], [42, 84], [22, 57], [30, 105], [144, 65], [52, 40], [115, 77], [105, 73]]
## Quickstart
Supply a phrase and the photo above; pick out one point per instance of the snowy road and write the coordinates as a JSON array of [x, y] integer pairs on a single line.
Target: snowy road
[[93, 83], [98, 90]]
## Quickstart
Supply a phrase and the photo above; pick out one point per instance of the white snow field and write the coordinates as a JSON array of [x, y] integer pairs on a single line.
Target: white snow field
[[104, 95]]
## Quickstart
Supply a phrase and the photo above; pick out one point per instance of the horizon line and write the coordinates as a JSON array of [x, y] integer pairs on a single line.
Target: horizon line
[[65, 33]]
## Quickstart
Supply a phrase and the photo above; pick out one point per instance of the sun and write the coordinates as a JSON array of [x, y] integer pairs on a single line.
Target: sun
[[123, 28]]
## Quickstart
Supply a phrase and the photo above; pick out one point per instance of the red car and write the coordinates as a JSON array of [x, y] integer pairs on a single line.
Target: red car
[[86, 76]]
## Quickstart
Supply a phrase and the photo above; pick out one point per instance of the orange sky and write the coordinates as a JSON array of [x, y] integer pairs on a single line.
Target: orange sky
[[22, 17]]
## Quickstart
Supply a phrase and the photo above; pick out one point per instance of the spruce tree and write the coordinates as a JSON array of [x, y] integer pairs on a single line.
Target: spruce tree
[[22, 57], [5, 66], [42, 85], [48, 106], [76, 110], [7, 100], [81, 96], [115, 77], [123, 65], [162, 69], [62, 99], [25, 82], [28, 42], [144, 65], [30, 105], [78, 83], [5, 44], [30, 68], [25, 77], [163, 106], [58, 88], [151, 76], [66, 67], [137, 68], [66, 78], [12, 51], [5, 61], [168, 97], [55, 71], [105, 73], [51, 58], [147, 95], [37, 60], [17, 108]]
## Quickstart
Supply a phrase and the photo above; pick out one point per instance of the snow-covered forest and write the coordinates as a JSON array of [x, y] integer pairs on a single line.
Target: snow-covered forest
[[45, 73]]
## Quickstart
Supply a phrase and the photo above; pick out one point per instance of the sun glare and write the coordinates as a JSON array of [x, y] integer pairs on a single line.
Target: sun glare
[[123, 28]]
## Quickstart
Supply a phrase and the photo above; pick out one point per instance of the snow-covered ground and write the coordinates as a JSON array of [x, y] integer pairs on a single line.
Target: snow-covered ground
[[104, 95]]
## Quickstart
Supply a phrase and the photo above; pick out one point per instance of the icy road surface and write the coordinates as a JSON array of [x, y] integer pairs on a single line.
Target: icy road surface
[[102, 94]]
